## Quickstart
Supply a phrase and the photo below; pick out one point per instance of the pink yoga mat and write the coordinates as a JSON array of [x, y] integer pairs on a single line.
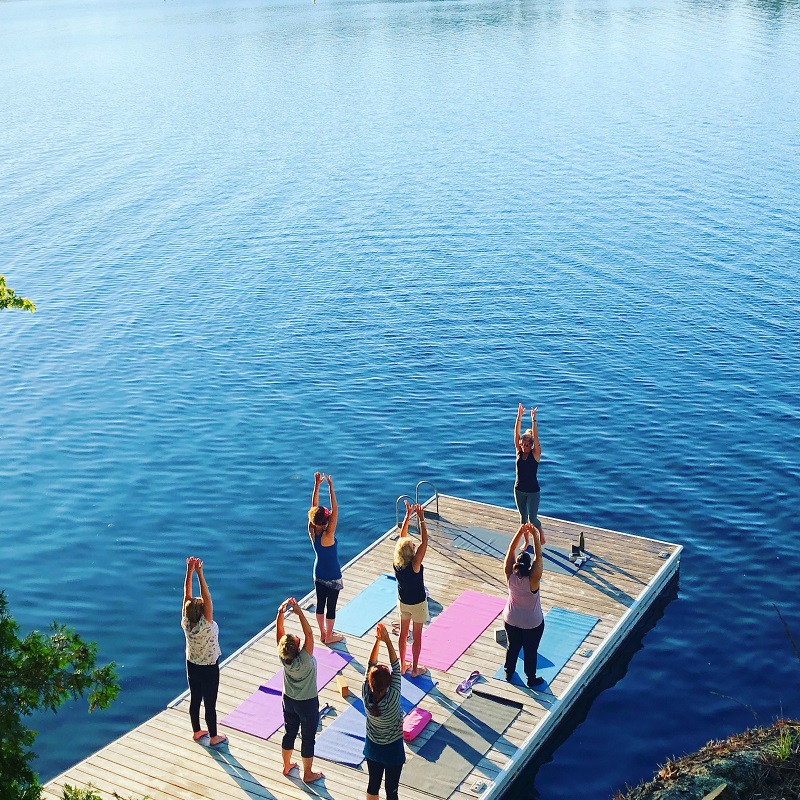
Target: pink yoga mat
[[457, 627], [262, 713]]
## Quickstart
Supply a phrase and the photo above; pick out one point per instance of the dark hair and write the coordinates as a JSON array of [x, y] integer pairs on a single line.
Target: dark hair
[[522, 566], [378, 680], [318, 515]]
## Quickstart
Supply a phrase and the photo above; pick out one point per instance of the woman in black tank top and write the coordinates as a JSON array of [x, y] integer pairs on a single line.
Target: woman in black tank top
[[526, 487]]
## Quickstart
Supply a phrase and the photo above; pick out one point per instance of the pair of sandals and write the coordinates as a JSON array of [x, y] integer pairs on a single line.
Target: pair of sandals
[[465, 687]]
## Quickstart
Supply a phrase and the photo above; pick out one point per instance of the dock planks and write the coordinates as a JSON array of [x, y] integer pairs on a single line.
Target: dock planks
[[621, 580]]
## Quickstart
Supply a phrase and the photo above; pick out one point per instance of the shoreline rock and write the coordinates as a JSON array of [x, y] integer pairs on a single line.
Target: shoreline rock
[[760, 763]]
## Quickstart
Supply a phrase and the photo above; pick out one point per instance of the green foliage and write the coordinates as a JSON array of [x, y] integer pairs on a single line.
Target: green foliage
[[88, 793], [73, 793], [9, 298], [41, 672], [785, 745]]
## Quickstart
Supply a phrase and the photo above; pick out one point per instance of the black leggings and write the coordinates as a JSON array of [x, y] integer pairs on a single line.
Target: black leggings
[[326, 596], [527, 640], [376, 771], [203, 686], [302, 716]]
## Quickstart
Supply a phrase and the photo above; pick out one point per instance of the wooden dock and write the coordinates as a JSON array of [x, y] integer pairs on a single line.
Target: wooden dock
[[622, 579]]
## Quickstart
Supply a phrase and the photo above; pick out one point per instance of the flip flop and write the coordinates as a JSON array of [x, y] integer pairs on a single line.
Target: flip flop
[[467, 684]]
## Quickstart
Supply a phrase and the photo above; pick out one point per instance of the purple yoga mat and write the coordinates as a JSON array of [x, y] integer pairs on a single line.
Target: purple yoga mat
[[262, 713], [457, 627]]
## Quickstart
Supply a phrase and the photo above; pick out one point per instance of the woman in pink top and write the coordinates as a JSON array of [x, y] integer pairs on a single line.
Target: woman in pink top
[[522, 616]]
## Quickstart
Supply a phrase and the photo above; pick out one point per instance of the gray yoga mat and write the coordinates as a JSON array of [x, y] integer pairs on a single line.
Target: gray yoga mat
[[495, 544], [454, 750]]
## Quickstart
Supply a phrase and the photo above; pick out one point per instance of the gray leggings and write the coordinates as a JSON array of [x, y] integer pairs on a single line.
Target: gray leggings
[[528, 507]]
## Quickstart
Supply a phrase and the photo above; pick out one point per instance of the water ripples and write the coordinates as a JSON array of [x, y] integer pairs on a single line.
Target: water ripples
[[352, 237]]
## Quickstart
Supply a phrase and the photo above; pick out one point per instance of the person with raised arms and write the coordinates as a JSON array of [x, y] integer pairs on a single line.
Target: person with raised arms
[[526, 487], [383, 747], [522, 615], [300, 696], [327, 571], [202, 654], [412, 598]]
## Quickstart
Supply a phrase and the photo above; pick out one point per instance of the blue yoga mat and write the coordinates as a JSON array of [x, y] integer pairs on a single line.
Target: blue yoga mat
[[495, 544], [564, 632], [368, 607], [343, 740]]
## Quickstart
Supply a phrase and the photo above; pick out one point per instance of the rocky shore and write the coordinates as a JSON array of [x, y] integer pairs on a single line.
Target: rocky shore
[[759, 764]]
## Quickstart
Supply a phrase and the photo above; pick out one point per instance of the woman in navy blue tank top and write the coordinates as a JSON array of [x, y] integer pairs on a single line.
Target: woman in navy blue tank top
[[526, 488], [327, 571]]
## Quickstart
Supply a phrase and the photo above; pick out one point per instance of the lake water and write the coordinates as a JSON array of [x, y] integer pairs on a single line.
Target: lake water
[[275, 237]]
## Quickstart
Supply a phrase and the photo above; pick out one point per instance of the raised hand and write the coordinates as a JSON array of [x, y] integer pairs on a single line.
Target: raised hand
[[420, 511], [381, 634], [409, 508], [190, 564], [329, 479], [292, 603], [520, 411], [318, 476], [533, 414]]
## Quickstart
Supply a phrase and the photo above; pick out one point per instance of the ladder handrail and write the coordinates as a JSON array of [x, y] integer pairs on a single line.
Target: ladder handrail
[[397, 507], [435, 493]]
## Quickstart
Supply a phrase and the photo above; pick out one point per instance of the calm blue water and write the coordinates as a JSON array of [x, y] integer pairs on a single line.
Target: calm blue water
[[275, 237]]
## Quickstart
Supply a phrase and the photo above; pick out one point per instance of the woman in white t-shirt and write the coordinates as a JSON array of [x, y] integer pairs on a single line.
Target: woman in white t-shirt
[[202, 654]]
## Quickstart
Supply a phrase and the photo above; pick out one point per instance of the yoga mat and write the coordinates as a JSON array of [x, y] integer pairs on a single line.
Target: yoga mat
[[564, 632], [343, 740], [368, 607], [495, 544], [457, 627], [261, 714], [455, 748]]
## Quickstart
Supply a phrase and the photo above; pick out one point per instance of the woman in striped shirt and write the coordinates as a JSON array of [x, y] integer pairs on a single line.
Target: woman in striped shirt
[[383, 747]]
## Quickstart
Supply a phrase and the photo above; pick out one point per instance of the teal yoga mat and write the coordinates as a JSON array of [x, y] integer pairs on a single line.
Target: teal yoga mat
[[564, 632], [368, 607]]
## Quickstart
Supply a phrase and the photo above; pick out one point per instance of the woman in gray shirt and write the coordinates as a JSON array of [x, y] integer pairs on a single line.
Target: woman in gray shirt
[[300, 697]]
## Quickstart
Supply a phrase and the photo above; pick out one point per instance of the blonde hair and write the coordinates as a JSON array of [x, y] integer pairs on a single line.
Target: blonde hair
[[528, 433], [404, 552], [288, 648], [193, 610]]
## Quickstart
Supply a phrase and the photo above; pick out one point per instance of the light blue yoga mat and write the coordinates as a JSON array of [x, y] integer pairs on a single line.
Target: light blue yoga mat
[[343, 740], [368, 607], [495, 544], [564, 631]]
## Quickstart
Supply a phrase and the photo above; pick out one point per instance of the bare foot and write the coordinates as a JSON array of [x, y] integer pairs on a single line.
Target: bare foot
[[420, 670], [199, 735], [322, 637], [313, 776], [405, 666], [333, 638], [287, 770], [218, 739]]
